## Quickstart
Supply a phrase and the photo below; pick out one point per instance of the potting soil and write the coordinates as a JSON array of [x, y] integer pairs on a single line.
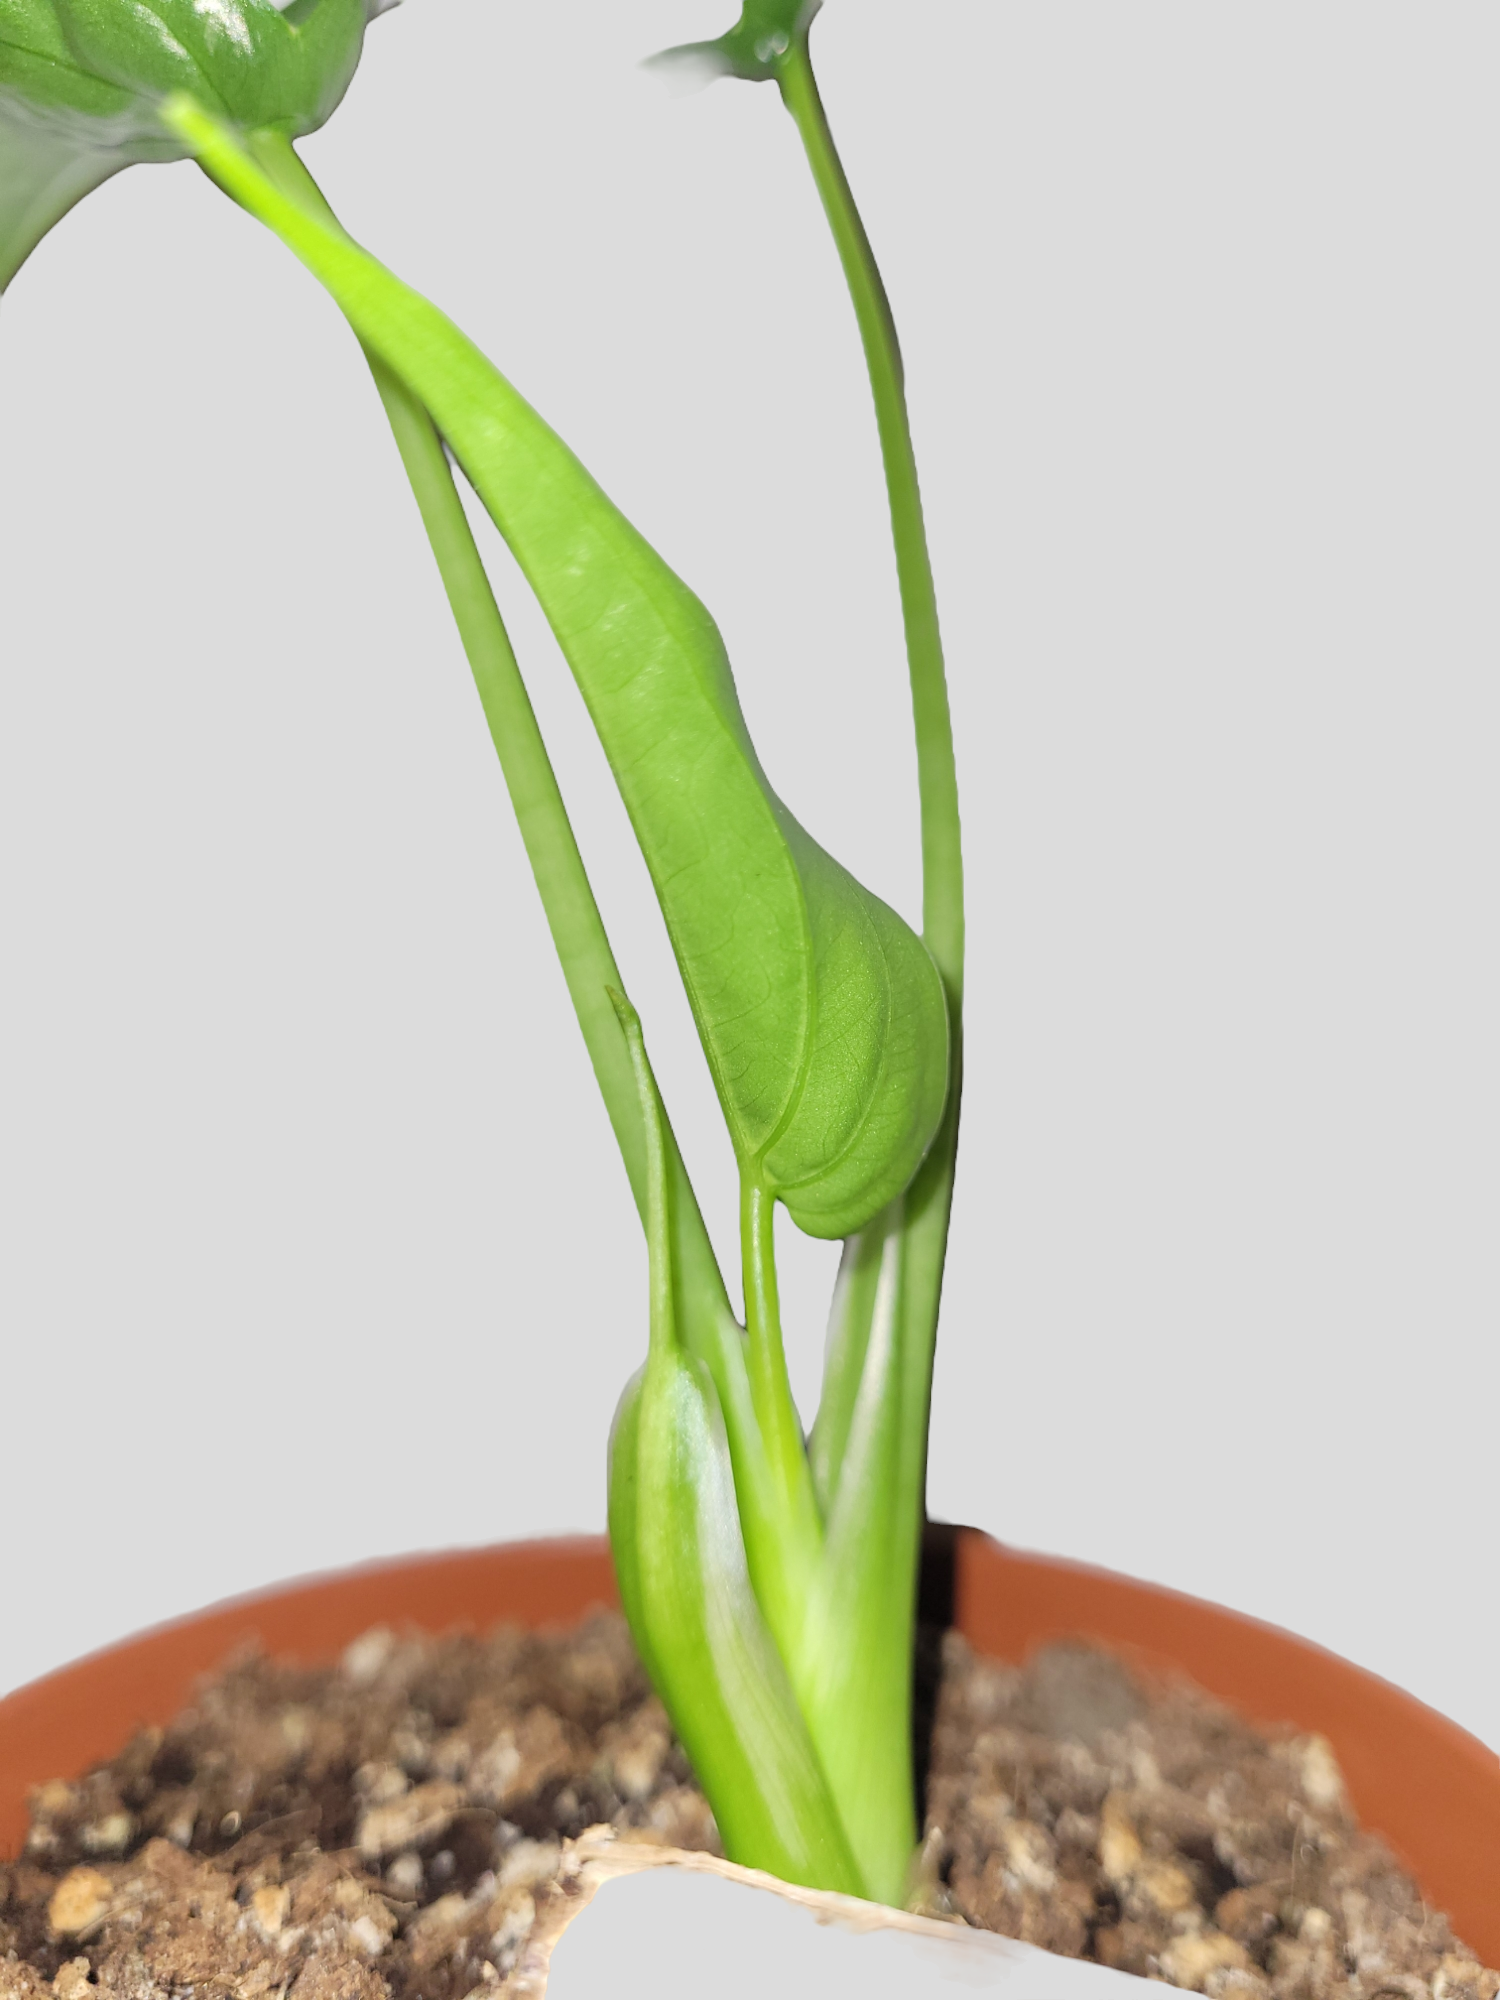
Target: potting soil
[[389, 1830]]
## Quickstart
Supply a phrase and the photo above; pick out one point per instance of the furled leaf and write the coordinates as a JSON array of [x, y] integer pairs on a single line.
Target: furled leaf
[[821, 1013], [685, 1586], [685, 1583]]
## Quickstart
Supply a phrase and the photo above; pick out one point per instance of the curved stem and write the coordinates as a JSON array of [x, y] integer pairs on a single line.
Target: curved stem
[[782, 1583], [770, 1384], [942, 857], [577, 928], [573, 916]]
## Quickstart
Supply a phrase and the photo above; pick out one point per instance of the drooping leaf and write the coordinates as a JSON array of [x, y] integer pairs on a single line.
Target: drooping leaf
[[822, 1016]]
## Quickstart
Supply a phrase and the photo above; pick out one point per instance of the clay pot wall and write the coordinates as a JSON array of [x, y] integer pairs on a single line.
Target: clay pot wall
[[1430, 1788]]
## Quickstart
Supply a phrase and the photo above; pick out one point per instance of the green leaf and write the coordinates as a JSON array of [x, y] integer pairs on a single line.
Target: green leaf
[[40, 68], [81, 81], [253, 64], [685, 1582], [821, 1013], [42, 174]]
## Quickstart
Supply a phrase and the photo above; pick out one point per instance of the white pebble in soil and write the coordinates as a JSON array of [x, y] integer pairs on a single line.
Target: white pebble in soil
[[404, 1877]]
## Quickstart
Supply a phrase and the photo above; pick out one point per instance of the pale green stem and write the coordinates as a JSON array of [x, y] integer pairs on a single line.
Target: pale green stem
[[858, 1696], [930, 1197], [770, 1384], [849, 1320], [783, 1585], [663, 1318], [929, 1200], [942, 856], [567, 896]]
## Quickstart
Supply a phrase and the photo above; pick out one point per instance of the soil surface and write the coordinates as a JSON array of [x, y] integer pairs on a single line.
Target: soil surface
[[388, 1830]]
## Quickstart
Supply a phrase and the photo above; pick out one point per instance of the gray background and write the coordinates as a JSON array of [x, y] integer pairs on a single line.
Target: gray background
[[313, 1244]]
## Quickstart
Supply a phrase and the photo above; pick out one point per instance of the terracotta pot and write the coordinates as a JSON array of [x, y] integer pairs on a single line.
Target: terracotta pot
[[1432, 1790]]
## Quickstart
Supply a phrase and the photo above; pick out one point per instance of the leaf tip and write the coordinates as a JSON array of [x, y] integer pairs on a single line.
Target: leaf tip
[[625, 1014], [690, 67]]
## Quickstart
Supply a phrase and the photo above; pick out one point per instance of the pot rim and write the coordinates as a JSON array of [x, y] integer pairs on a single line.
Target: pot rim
[[1427, 1785]]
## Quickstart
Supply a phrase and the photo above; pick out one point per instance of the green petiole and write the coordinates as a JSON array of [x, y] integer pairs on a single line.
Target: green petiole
[[937, 775]]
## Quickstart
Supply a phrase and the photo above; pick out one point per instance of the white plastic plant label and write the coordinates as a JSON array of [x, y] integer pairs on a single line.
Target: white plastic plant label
[[677, 1926]]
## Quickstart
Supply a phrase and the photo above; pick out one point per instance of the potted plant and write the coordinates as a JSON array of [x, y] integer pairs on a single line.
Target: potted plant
[[841, 1100]]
